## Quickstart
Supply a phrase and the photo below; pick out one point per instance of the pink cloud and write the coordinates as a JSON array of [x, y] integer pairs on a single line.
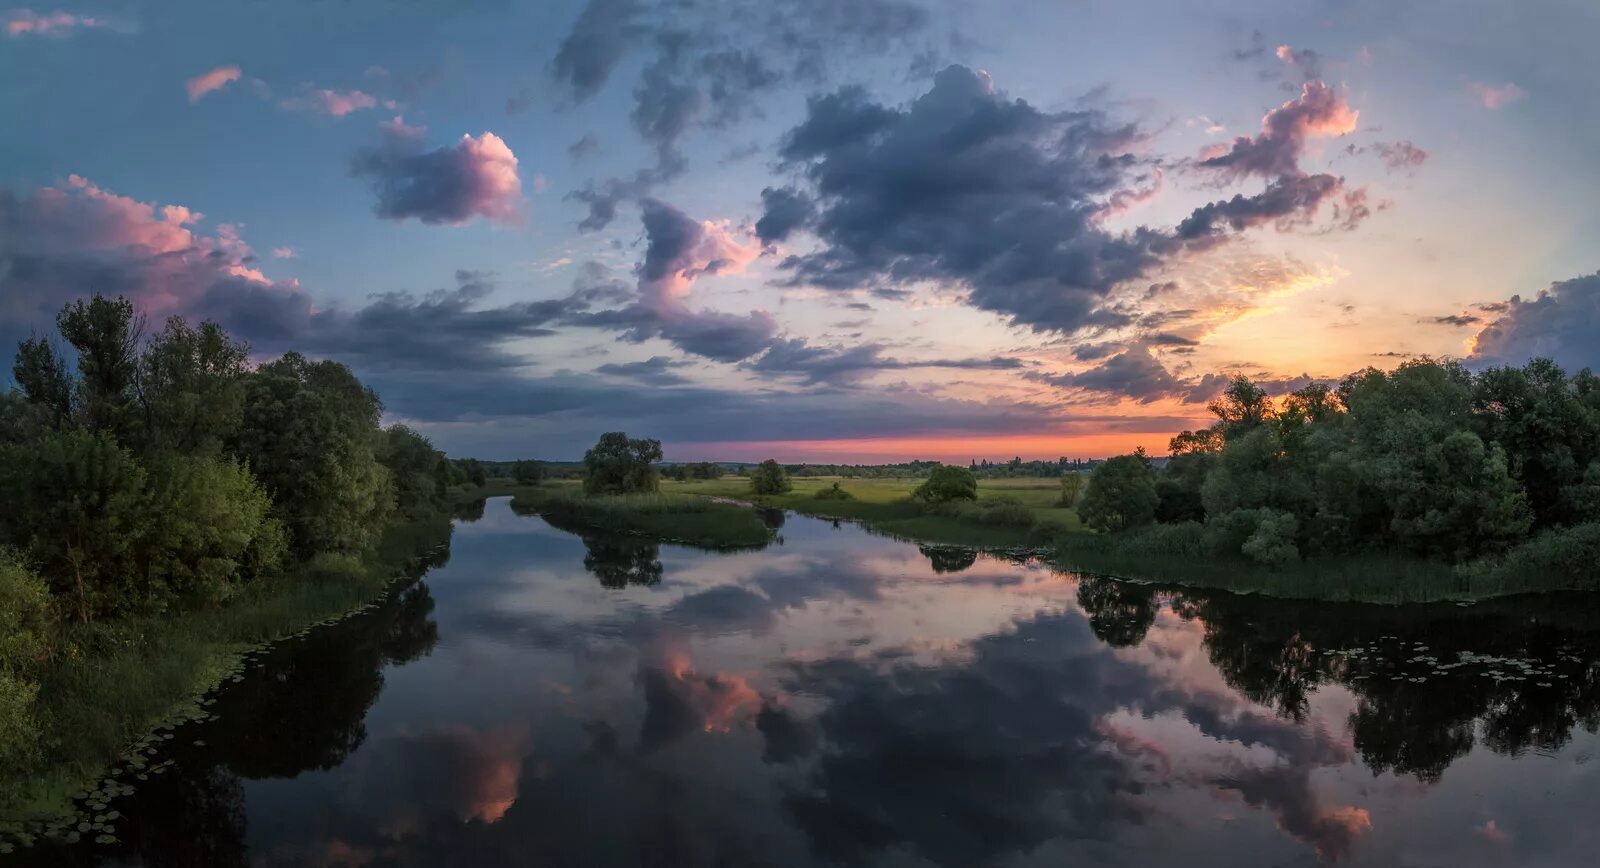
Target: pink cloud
[[83, 238], [336, 103], [1319, 111], [23, 22], [284, 253], [207, 82], [477, 177], [1493, 96]]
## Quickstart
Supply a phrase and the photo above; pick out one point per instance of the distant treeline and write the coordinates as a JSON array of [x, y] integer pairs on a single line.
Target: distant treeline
[[1498, 467], [156, 473]]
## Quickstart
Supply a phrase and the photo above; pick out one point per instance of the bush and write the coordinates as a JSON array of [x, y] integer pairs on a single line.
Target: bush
[[19, 728], [335, 567], [26, 616], [528, 472], [1182, 539], [947, 483], [1572, 553], [1263, 535], [996, 513], [770, 478], [833, 492]]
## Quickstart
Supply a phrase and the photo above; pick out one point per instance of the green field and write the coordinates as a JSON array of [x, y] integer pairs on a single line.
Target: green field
[[668, 516]]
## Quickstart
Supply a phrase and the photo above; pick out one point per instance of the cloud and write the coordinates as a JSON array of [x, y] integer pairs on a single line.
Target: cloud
[[1457, 319], [26, 22], [1276, 150], [585, 146], [477, 177], [335, 103], [1493, 96], [656, 370], [1304, 61], [1560, 323], [1401, 155], [783, 210], [1136, 373], [706, 68], [848, 365], [211, 80], [68, 241], [284, 253], [968, 187]]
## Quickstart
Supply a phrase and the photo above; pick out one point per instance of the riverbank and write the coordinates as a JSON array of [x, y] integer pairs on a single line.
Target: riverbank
[[1008, 514], [115, 683], [676, 518]]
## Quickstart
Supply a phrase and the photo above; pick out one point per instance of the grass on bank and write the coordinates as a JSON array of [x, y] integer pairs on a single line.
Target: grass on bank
[[116, 681], [1008, 513], [679, 518]]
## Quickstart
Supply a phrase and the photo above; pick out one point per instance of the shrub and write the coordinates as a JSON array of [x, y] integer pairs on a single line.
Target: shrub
[[1272, 543], [19, 728], [26, 616], [833, 492], [1572, 553], [770, 478], [335, 567], [1182, 539], [1072, 488], [947, 483]]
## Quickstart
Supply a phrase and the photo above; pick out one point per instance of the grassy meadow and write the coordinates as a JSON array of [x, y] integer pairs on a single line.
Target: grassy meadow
[[667, 516]]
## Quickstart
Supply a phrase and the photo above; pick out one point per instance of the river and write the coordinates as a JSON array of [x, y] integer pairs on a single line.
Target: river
[[541, 698]]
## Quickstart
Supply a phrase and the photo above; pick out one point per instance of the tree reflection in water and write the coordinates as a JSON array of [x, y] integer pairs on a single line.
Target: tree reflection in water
[[620, 561], [949, 559]]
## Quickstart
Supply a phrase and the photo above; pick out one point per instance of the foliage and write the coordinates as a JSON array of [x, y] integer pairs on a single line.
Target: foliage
[[1563, 557], [27, 619], [191, 387], [212, 530], [679, 518], [1121, 494], [309, 433], [528, 472], [769, 478], [19, 725], [79, 505], [1072, 485], [419, 472], [620, 465], [833, 492], [946, 483]]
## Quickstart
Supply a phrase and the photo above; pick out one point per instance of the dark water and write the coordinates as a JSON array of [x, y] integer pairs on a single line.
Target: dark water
[[842, 698]]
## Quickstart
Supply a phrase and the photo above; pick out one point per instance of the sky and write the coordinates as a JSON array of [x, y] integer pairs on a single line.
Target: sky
[[816, 230]]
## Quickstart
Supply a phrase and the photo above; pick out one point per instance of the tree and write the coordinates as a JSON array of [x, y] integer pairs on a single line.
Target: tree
[[948, 482], [211, 531], [528, 472], [191, 387], [1121, 493], [105, 332], [417, 469], [617, 464], [471, 470], [310, 433], [1242, 406], [770, 478], [1072, 488], [42, 379], [77, 503]]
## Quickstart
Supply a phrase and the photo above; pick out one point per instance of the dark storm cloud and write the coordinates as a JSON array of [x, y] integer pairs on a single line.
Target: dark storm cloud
[[1455, 319], [845, 365], [1289, 200], [656, 370], [965, 185], [704, 66], [476, 177], [586, 145], [783, 210], [1561, 323], [598, 40], [1138, 374]]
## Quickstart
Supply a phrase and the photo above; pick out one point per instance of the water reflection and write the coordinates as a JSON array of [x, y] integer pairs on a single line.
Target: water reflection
[[852, 699]]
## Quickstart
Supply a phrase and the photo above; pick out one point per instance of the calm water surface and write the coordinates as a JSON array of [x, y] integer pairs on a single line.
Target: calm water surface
[[841, 698]]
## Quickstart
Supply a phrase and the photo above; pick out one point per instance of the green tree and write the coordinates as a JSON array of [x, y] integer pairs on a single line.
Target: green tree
[[417, 469], [1121, 493], [309, 432], [211, 530], [947, 482], [105, 332], [191, 387], [528, 472], [42, 379], [77, 503], [1072, 488], [770, 478], [620, 465]]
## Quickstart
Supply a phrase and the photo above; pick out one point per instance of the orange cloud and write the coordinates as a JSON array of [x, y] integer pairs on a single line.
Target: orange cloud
[[24, 22], [212, 80]]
